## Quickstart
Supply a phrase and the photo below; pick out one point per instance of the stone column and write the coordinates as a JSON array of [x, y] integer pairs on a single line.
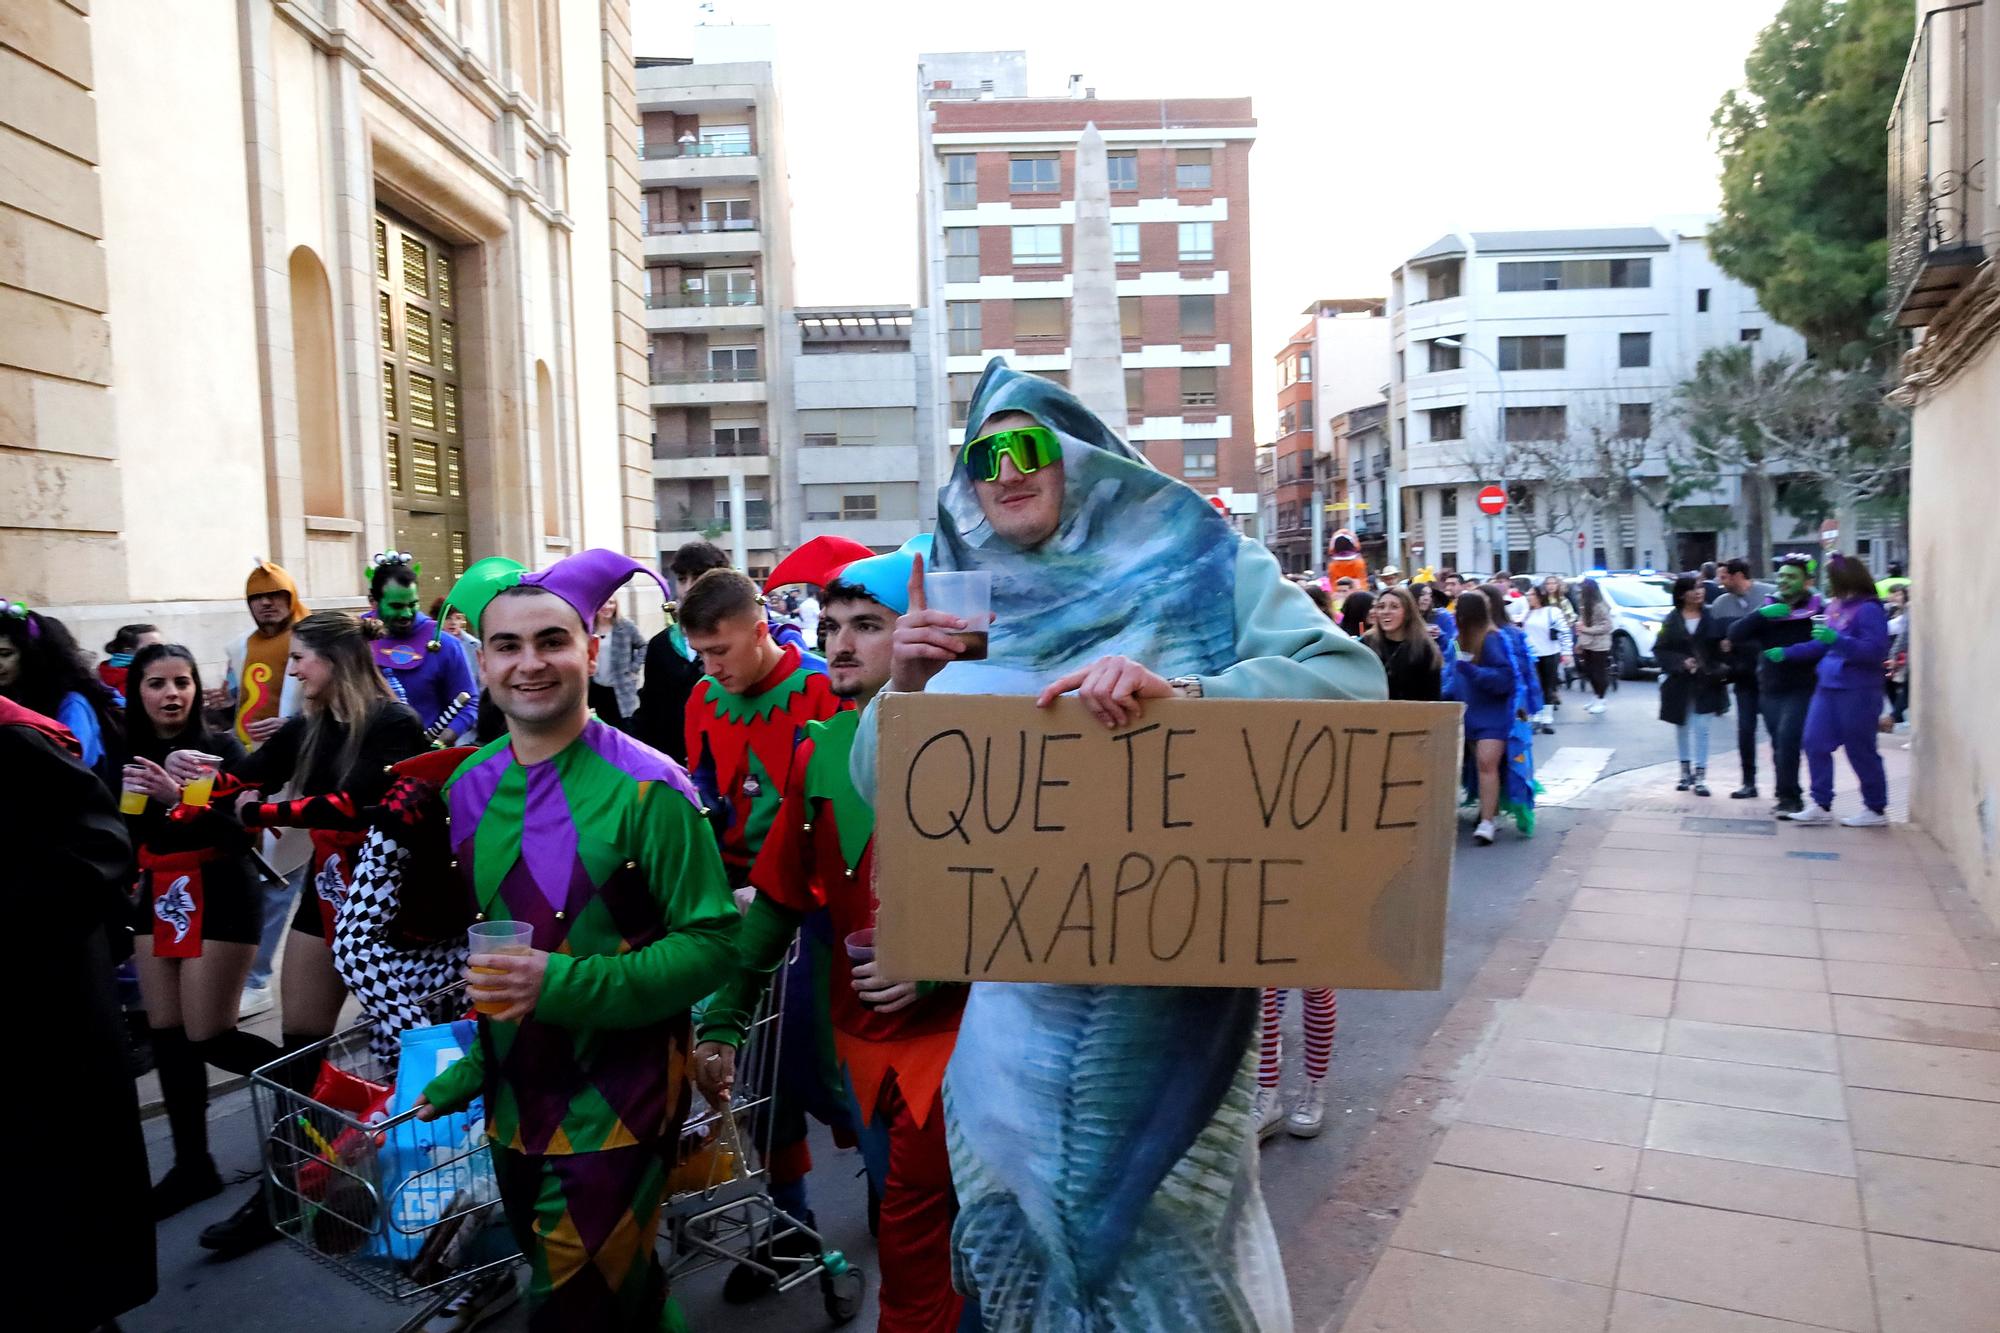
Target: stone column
[[1097, 369]]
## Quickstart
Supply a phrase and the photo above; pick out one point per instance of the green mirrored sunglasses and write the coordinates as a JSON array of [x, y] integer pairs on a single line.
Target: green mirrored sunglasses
[[1031, 448]]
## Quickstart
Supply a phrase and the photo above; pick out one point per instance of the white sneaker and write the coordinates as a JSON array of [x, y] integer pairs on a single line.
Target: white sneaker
[[477, 1302], [256, 1000], [1866, 819], [1269, 1113], [1597, 707], [1309, 1114], [1812, 814], [1483, 835]]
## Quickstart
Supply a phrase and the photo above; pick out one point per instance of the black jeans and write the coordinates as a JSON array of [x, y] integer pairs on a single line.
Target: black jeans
[[1597, 669], [1785, 716], [1746, 730]]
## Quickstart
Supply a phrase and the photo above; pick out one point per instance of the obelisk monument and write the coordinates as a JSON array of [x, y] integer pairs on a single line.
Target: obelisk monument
[[1097, 371]]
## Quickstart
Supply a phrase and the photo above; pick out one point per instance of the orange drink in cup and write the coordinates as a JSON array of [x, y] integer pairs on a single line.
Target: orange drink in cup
[[131, 801], [198, 792], [496, 938]]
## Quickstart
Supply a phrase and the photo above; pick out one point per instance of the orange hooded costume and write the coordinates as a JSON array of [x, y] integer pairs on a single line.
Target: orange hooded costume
[[1343, 559], [257, 666]]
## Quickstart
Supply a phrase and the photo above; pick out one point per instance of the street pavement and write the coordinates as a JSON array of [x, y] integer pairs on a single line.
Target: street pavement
[[1380, 1034]]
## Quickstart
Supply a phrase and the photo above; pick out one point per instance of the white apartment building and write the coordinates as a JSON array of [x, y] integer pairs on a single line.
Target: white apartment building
[[866, 420], [1500, 338], [718, 283]]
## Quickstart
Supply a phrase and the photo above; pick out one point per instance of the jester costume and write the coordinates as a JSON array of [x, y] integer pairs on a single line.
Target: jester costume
[[820, 854], [604, 850], [1102, 1138], [741, 751]]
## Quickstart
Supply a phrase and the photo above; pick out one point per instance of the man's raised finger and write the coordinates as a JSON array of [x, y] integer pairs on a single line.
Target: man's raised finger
[[917, 584]]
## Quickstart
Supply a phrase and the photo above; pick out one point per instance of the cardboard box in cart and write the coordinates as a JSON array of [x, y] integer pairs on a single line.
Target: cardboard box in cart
[[1214, 843]]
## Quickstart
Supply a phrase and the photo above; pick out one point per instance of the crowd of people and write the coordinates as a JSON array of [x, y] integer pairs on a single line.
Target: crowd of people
[[674, 821]]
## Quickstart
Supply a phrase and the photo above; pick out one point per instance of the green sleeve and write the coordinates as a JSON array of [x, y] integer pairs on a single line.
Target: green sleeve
[[459, 1083], [674, 846], [1285, 647], [761, 946]]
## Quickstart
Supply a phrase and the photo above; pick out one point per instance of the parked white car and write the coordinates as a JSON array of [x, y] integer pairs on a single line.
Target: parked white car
[[1639, 607]]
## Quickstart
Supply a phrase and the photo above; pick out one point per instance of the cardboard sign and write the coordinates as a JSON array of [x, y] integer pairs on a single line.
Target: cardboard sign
[[1214, 843]]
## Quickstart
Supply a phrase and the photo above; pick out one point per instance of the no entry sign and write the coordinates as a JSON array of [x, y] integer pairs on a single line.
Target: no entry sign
[[1492, 500]]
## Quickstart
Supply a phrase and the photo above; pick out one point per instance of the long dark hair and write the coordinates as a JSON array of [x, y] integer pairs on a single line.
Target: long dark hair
[[1496, 602], [141, 737], [1354, 612], [1593, 597], [340, 716], [1848, 579], [126, 640], [1415, 647], [1475, 620], [53, 667], [1684, 585]]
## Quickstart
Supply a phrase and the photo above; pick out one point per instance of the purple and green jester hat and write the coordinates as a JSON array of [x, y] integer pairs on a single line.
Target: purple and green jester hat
[[584, 580]]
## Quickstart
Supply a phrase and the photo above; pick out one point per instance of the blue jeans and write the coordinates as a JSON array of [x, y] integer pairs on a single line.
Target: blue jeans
[[1785, 717], [277, 915], [1691, 738]]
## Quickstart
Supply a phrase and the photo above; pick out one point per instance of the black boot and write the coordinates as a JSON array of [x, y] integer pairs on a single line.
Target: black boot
[[244, 1230], [1687, 776], [1700, 786], [1746, 792], [184, 1089]]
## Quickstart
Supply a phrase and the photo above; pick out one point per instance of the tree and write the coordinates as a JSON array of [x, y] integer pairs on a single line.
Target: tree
[[1804, 167], [1774, 417], [1543, 495]]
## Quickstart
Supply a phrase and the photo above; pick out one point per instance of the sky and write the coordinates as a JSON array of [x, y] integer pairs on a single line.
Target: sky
[[1381, 126]]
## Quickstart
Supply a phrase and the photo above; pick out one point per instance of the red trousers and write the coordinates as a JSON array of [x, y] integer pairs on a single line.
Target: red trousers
[[911, 1171]]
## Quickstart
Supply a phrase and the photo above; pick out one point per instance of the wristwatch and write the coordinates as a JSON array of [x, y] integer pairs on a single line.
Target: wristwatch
[[1188, 687]]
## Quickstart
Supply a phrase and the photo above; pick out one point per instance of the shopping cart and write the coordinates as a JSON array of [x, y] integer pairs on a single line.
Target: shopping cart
[[719, 1209], [368, 1195]]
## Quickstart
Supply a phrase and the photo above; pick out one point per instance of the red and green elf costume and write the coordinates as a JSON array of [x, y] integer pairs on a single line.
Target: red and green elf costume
[[819, 854], [604, 849]]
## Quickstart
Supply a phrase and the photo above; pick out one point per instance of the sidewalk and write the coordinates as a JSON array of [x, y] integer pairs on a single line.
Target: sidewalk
[[1723, 1078]]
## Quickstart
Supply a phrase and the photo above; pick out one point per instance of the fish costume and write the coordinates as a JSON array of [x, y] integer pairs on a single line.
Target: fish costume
[[604, 849], [1102, 1138]]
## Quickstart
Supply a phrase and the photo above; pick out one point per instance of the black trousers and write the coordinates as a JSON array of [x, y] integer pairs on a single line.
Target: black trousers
[[1785, 716], [1746, 730], [1597, 669]]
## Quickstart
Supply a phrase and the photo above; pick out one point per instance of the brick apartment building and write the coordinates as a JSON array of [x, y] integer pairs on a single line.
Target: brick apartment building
[[999, 191]]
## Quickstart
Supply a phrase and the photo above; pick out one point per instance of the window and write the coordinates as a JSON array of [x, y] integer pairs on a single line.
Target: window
[[1125, 242], [1635, 350], [853, 507], [1447, 423], [1039, 174], [961, 254], [1448, 508], [1701, 300], [1198, 459], [1198, 316], [726, 215], [1750, 335], [1039, 318], [1444, 358], [727, 364], [1197, 242], [1135, 389], [1306, 366], [1536, 423], [739, 441], [1635, 420], [723, 141], [1193, 169], [1037, 245], [962, 384], [1441, 281], [1197, 386], [961, 180], [1533, 352], [827, 427], [1563, 275], [1124, 170], [963, 319], [1130, 321]]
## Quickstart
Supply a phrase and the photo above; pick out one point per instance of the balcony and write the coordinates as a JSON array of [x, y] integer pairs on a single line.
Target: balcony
[[667, 312], [704, 238], [702, 386], [1937, 167], [697, 163], [709, 457]]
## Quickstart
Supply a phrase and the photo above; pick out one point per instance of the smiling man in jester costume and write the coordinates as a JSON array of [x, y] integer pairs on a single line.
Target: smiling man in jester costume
[[892, 1039], [599, 843], [425, 672], [744, 724], [1103, 1142]]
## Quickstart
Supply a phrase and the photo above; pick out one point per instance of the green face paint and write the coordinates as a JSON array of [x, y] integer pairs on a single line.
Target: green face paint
[[398, 607], [1791, 583]]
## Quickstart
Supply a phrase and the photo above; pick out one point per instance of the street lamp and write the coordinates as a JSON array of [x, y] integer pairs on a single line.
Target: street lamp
[[1499, 437]]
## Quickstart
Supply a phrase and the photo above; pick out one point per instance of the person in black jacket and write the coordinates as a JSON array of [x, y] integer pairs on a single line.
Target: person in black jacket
[[69, 865], [1784, 688], [1694, 679], [672, 668], [1403, 641]]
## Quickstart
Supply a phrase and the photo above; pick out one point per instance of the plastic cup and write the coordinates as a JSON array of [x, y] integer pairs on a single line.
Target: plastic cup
[[861, 946], [132, 802], [198, 792], [967, 594], [497, 937]]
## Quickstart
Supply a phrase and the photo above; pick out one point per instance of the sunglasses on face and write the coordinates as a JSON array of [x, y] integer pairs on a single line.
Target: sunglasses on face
[[1031, 448]]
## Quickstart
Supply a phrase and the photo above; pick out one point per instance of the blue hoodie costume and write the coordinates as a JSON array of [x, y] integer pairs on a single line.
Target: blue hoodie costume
[[1103, 1145], [1848, 702]]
